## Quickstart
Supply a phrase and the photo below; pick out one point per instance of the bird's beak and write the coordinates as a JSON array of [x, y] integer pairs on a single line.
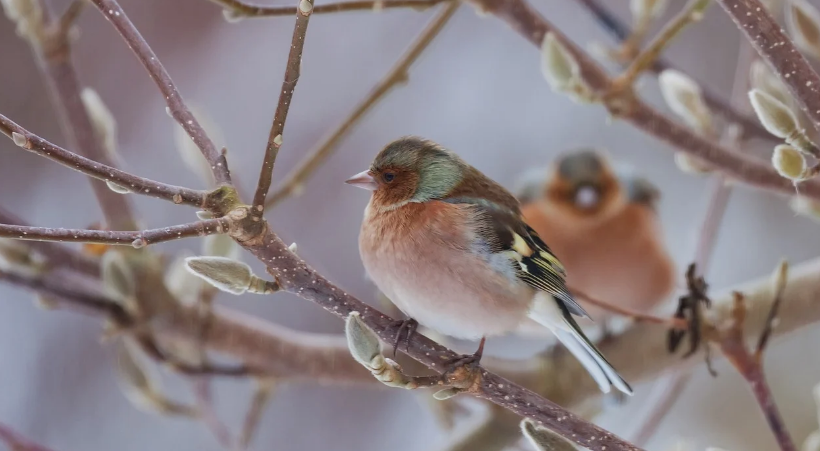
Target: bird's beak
[[363, 180]]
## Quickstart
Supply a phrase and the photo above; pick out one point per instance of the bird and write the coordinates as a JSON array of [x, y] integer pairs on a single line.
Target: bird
[[602, 219], [450, 248]]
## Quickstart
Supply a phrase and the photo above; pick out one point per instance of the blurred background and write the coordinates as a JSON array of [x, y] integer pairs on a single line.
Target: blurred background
[[478, 90]]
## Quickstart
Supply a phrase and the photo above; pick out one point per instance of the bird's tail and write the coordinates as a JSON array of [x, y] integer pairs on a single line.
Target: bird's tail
[[560, 321]]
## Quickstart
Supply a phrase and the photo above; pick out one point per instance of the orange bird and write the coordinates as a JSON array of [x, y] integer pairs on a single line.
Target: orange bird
[[604, 228]]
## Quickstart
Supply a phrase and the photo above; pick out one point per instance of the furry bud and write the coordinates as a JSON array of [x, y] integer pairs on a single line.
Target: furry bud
[[543, 439], [685, 99], [803, 22], [776, 117], [790, 163]]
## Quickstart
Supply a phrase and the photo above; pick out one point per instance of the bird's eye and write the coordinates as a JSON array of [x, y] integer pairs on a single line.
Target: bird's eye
[[389, 176]]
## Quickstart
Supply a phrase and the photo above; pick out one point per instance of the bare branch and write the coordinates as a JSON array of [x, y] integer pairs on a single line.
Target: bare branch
[[396, 76], [179, 111], [781, 277], [291, 77], [136, 239], [57, 255], [243, 9], [675, 323], [751, 127], [779, 52], [37, 145], [201, 386]]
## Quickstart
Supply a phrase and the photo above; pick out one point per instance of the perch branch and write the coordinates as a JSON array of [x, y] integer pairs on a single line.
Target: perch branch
[[751, 126], [39, 146], [291, 77], [776, 48], [244, 9], [397, 75], [180, 112], [131, 238], [675, 323]]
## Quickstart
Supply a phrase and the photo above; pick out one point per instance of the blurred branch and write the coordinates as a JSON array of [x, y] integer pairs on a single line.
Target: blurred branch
[[261, 396], [730, 336], [627, 106], [176, 106], [136, 239], [52, 49], [139, 185], [17, 442], [750, 126], [243, 9], [57, 255], [201, 386], [674, 323], [292, 71], [397, 75], [777, 49]]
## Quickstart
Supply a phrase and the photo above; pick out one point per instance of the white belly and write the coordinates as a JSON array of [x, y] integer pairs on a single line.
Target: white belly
[[444, 287]]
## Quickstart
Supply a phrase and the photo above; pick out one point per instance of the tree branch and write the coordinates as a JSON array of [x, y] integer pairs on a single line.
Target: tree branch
[[777, 49], [397, 75], [17, 442], [57, 255], [136, 239], [39, 146], [532, 26], [291, 77], [243, 9], [750, 125], [177, 108]]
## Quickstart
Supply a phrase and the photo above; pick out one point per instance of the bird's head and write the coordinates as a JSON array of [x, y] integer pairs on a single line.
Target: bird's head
[[410, 169], [584, 182]]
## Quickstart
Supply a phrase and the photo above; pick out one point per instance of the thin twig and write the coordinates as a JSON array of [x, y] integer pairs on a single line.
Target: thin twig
[[204, 401], [731, 340], [243, 9], [781, 277], [139, 185], [751, 126], [128, 238], [396, 76], [176, 106], [17, 442], [260, 399], [57, 255], [675, 323], [292, 71], [70, 15], [692, 12], [777, 49]]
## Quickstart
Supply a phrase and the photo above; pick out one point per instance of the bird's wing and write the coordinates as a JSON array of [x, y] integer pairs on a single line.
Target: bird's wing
[[505, 232]]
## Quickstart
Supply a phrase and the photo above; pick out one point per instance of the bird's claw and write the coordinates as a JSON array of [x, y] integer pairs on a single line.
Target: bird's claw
[[405, 327], [471, 360]]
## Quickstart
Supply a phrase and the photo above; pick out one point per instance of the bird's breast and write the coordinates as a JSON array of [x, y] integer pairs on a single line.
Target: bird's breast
[[422, 257]]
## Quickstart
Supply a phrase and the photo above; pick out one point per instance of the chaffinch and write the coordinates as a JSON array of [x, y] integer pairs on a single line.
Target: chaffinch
[[450, 248], [602, 222]]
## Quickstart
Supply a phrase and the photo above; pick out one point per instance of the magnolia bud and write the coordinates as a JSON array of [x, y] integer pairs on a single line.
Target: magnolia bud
[[691, 165], [361, 340], [685, 99], [561, 70], [760, 77], [119, 189], [544, 439], [776, 117], [803, 22], [229, 275], [790, 163]]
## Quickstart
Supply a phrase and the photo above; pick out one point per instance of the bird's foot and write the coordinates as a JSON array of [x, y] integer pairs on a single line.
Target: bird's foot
[[405, 327], [471, 360]]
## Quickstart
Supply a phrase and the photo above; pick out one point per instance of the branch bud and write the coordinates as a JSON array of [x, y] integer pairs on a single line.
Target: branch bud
[[685, 99], [561, 70], [229, 275], [790, 163], [642, 9], [118, 278], [691, 165], [119, 189], [776, 117], [760, 77], [105, 126], [543, 439], [17, 256], [803, 22]]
